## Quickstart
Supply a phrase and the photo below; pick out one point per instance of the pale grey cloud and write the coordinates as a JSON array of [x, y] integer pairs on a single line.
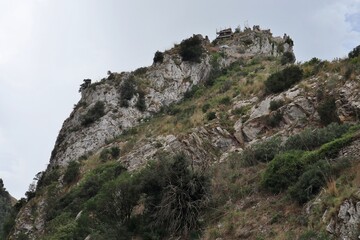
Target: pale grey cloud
[[47, 47], [15, 28]]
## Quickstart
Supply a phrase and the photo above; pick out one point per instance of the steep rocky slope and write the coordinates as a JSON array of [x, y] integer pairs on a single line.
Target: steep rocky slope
[[118, 162]]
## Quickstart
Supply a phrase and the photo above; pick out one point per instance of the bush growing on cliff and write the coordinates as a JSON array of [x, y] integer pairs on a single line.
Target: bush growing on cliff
[[283, 171], [159, 57], [310, 139], [355, 52], [140, 103], [263, 151], [191, 49], [327, 111], [287, 57], [127, 91], [171, 194], [72, 172], [109, 153], [280, 81], [94, 113], [310, 182], [276, 104]]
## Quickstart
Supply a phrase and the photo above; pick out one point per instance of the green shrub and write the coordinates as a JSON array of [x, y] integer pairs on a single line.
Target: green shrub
[[215, 71], [310, 182], [191, 92], [140, 71], [159, 57], [225, 100], [167, 189], [274, 119], [243, 110], [191, 49], [210, 116], [182, 199], [205, 107], [287, 57], [283, 171], [281, 81], [172, 109], [310, 139], [264, 151], [127, 91], [109, 154], [276, 104], [327, 111], [48, 177], [141, 104], [94, 113], [355, 52], [72, 172]]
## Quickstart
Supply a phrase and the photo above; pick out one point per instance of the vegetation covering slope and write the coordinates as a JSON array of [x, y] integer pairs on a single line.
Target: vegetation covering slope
[[238, 157], [6, 202]]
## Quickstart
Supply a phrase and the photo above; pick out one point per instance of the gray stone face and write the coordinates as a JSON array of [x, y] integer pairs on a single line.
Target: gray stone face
[[167, 83], [163, 83]]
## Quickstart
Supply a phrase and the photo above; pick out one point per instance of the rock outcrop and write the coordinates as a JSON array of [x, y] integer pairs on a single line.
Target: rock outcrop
[[162, 83]]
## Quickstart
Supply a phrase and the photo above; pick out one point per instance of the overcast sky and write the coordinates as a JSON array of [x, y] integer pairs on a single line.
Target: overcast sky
[[47, 47]]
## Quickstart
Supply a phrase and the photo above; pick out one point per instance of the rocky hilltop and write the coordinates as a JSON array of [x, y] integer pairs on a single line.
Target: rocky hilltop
[[216, 140]]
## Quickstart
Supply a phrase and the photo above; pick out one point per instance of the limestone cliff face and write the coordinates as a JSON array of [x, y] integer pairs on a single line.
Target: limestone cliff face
[[163, 83]]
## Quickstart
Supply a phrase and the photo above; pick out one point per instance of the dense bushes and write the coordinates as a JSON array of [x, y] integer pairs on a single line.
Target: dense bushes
[[264, 151], [117, 204], [284, 79], [355, 52], [168, 190], [303, 174], [310, 139], [287, 57], [310, 182], [191, 49], [94, 113], [6, 212], [283, 171]]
